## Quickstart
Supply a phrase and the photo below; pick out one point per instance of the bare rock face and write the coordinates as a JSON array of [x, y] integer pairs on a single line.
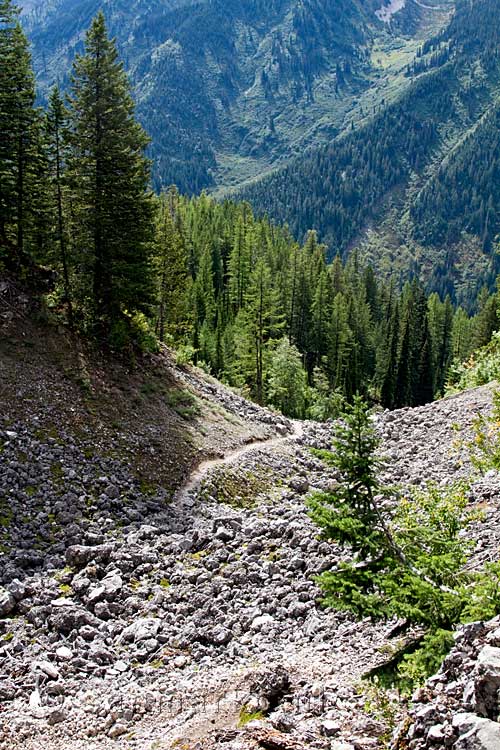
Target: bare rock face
[[476, 733], [486, 680], [459, 707]]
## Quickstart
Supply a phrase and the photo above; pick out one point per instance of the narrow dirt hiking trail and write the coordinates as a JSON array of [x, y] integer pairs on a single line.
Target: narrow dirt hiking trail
[[202, 470]]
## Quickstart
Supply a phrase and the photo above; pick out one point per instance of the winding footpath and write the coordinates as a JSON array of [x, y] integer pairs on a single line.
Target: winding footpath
[[195, 479]]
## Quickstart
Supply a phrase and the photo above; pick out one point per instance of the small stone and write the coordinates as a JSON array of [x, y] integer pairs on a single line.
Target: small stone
[[317, 690], [17, 589], [436, 733], [330, 728], [96, 595], [56, 717], [117, 730], [224, 535], [221, 636], [49, 669], [141, 630], [261, 622], [64, 653], [7, 602]]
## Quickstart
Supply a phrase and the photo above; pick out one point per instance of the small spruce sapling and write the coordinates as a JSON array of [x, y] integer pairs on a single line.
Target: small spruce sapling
[[408, 554]]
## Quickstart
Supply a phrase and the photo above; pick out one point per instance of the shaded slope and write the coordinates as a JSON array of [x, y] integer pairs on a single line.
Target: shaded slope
[[100, 440]]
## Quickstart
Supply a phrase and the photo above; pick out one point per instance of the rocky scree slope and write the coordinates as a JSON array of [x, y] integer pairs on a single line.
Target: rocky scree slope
[[93, 442], [152, 625], [458, 707]]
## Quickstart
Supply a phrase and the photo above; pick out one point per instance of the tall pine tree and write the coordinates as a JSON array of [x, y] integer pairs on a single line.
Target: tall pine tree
[[18, 141], [109, 181]]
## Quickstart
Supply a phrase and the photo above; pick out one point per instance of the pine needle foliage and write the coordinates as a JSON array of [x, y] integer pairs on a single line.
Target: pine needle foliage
[[407, 554]]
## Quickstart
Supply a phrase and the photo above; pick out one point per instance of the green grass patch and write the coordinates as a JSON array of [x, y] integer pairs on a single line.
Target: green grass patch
[[183, 402], [246, 716]]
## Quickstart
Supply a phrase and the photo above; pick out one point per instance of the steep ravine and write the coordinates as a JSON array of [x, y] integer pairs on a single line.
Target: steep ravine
[[155, 633]]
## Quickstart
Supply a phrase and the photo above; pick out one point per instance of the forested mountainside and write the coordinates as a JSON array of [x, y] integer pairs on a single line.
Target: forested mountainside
[[274, 318], [379, 120], [227, 90], [234, 293], [417, 187], [179, 566]]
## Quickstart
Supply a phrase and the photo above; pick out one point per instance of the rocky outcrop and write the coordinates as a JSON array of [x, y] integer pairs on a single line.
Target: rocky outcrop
[[459, 707]]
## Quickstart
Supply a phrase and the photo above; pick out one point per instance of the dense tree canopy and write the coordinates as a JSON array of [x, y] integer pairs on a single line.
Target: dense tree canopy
[[259, 310], [75, 183], [427, 165], [257, 301]]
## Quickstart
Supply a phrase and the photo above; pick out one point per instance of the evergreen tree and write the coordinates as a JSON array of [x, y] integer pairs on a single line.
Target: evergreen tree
[[442, 365], [340, 341], [461, 335], [424, 392], [171, 265], [239, 266], [205, 305], [257, 324], [287, 380], [389, 384], [18, 142], [403, 392], [320, 319], [487, 319], [56, 127], [108, 177]]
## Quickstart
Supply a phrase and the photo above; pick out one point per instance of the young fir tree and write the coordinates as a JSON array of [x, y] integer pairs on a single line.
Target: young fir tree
[[389, 383], [407, 558], [445, 347], [171, 266], [56, 130], [239, 265], [424, 391], [287, 380], [256, 326], [109, 182], [403, 394], [461, 336], [339, 345], [320, 320], [18, 141]]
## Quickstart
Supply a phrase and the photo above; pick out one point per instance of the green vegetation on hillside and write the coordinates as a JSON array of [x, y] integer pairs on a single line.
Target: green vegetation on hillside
[[409, 554], [274, 318], [228, 90], [421, 176], [233, 293], [74, 184]]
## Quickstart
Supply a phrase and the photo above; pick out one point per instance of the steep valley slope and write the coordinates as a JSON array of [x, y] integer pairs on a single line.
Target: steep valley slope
[[414, 187], [228, 91], [142, 613]]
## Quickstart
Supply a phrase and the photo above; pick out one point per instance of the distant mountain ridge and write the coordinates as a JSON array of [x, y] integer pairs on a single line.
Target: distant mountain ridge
[[375, 123], [417, 188], [229, 91]]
